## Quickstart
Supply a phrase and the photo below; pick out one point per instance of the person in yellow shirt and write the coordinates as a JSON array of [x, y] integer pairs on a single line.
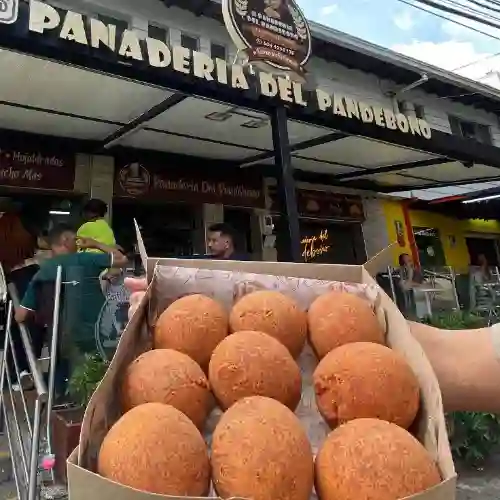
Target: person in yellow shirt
[[96, 227]]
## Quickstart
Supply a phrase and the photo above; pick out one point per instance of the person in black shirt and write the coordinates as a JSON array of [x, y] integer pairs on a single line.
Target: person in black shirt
[[221, 243], [17, 254]]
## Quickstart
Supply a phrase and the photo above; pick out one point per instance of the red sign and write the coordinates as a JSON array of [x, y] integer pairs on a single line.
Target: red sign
[[37, 170], [241, 189]]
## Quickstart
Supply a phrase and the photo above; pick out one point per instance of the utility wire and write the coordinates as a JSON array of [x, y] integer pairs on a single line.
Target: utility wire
[[456, 12], [487, 7], [482, 59], [454, 21], [490, 56], [470, 9]]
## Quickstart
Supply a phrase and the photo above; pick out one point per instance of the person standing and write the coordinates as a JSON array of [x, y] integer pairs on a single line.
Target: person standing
[[17, 257], [96, 226]]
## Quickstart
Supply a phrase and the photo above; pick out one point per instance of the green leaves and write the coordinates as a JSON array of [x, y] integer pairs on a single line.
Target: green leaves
[[85, 378], [474, 437], [453, 320]]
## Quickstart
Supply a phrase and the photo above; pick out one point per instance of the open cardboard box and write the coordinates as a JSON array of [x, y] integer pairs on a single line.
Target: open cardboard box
[[104, 409]]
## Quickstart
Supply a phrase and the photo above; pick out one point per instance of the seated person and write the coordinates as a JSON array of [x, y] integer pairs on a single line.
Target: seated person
[[81, 291]]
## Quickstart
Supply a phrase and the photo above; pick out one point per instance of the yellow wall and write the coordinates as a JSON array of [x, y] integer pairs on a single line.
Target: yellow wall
[[457, 255], [393, 211]]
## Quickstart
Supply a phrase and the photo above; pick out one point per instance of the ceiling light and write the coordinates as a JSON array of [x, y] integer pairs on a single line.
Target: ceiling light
[[484, 198], [59, 212]]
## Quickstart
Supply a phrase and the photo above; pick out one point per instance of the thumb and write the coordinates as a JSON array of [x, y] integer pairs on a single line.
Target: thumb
[[136, 284]]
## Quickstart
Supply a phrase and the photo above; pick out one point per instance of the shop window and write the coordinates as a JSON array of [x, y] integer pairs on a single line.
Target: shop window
[[158, 33], [190, 42], [470, 130], [218, 51]]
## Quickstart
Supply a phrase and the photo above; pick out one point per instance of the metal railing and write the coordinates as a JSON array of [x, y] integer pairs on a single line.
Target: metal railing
[[21, 421]]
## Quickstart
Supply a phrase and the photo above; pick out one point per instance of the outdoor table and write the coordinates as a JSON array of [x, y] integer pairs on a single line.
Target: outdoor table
[[427, 293]]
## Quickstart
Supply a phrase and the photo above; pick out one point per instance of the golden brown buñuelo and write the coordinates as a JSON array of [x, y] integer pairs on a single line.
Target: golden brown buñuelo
[[273, 313], [260, 451], [254, 364]]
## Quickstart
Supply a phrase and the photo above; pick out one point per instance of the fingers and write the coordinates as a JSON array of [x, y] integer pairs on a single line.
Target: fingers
[[135, 300], [136, 284], [137, 287]]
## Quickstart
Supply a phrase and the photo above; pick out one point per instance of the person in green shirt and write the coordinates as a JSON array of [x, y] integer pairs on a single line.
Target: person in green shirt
[[96, 226], [81, 298]]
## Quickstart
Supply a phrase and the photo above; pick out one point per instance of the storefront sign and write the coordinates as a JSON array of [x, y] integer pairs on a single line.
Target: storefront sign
[[275, 32], [314, 246], [73, 27], [36, 170], [135, 180], [324, 205]]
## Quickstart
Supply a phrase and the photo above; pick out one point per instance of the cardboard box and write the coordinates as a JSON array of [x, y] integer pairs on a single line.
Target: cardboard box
[[104, 407]]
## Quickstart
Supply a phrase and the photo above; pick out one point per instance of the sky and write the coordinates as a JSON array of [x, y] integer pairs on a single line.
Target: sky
[[396, 25]]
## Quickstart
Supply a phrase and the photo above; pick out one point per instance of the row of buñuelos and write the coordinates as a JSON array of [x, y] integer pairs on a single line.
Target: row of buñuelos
[[259, 450]]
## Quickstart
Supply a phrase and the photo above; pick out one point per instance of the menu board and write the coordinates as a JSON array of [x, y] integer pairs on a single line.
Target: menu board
[[324, 205]]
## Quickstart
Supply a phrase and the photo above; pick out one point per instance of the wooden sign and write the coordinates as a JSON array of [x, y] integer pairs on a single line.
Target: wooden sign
[[324, 205], [163, 183], [37, 170]]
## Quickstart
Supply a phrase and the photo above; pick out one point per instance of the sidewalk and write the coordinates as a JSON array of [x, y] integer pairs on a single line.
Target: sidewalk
[[480, 485], [7, 485]]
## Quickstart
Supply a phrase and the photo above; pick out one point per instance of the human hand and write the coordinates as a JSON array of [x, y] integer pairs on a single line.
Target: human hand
[[137, 287], [86, 243]]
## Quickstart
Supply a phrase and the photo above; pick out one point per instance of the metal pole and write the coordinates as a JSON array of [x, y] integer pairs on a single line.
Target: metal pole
[[53, 355], [289, 223], [17, 427], [2, 377], [28, 348], [35, 445], [391, 281], [454, 285]]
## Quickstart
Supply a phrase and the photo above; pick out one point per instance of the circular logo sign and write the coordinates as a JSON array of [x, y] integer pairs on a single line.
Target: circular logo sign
[[134, 179], [275, 32]]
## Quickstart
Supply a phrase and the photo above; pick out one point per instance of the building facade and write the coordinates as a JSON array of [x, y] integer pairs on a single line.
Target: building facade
[[341, 163]]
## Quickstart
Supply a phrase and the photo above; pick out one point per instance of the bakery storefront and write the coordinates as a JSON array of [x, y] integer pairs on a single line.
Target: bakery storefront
[[112, 93], [168, 205], [330, 227]]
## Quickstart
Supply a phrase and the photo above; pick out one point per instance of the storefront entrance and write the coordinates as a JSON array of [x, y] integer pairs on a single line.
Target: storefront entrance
[[41, 211], [167, 229]]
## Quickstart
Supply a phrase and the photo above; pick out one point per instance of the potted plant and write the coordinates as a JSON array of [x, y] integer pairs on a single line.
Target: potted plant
[[66, 420]]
